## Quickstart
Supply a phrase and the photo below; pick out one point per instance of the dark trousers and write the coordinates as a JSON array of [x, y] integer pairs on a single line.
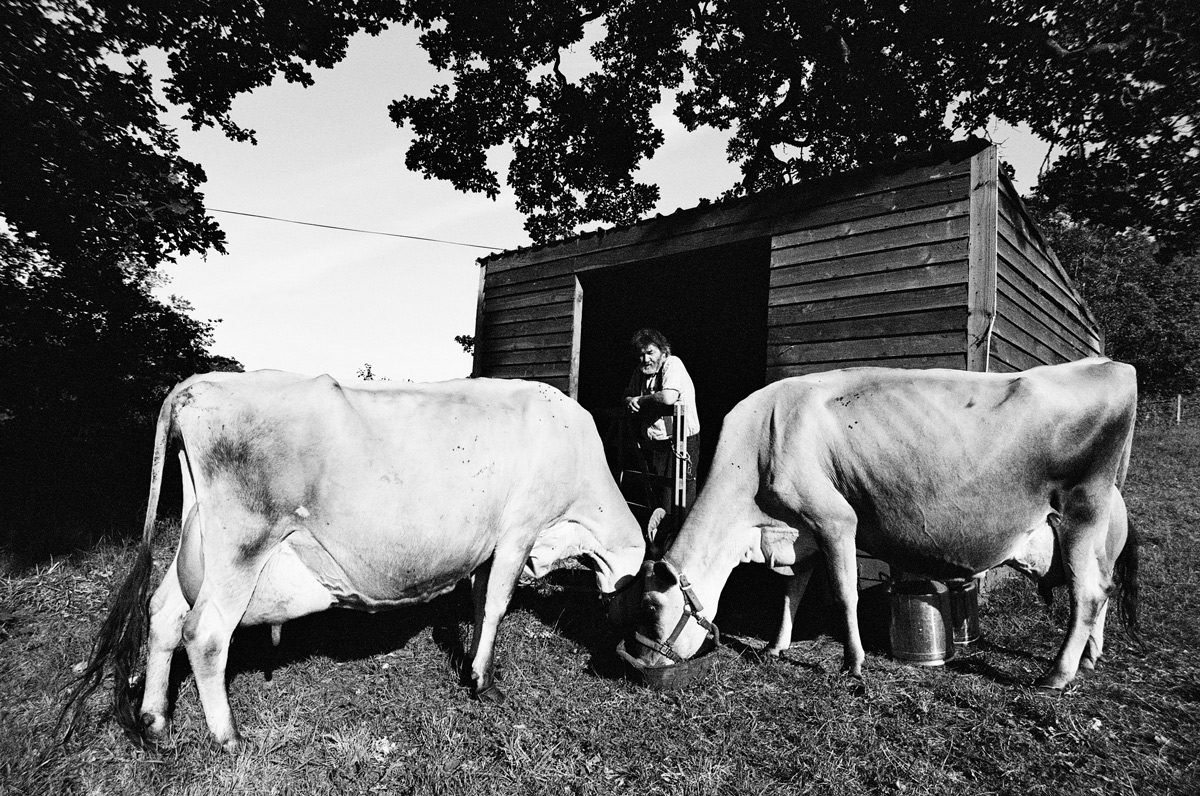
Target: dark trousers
[[660, 460]]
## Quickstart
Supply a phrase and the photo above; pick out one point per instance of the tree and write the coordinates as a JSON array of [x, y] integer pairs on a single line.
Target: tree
[[467, 341], [88, 173], [88, 355], [93, 197], [1149, 309], [367, 373], [805, 88]]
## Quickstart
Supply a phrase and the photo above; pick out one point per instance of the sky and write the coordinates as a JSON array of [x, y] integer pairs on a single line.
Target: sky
[[315, 300]]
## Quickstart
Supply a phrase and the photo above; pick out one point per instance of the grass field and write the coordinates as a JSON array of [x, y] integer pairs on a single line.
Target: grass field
[[351, 703]]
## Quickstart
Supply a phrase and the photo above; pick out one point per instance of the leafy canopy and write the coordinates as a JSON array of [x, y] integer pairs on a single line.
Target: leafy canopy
[[1147, 303], [805, 89]]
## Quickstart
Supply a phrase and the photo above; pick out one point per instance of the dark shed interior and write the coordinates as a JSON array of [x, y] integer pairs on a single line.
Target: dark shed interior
[[710, 304]]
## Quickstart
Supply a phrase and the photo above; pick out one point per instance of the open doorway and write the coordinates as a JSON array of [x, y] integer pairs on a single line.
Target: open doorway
[[712, 306]]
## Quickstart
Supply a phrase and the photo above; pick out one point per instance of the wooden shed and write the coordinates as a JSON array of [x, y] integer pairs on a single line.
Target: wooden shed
[[930, 260]]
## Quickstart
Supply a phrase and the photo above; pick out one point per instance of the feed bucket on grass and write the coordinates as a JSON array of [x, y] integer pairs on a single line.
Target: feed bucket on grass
[[672, 676], [964, 613], [920, 629]]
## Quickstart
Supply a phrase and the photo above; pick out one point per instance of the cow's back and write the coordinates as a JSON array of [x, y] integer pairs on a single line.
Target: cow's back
[[389, 492], [922, 455]]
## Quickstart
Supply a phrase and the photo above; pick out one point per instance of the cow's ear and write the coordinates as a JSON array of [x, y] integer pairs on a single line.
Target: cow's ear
[[656, 534], [664, 575], [652, 526]]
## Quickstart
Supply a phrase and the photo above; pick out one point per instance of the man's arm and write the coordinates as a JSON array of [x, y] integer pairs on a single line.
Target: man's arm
[[661, 402]]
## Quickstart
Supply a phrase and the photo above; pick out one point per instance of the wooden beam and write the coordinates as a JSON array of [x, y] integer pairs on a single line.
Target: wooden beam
[[476, 359], [576, 339], [981, 258]]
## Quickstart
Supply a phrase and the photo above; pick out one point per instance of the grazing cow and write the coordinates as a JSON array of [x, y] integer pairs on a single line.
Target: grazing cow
[[301, 494], [939, 472]]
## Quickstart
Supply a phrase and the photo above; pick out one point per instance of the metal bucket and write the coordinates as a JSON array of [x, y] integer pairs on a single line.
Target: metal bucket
[[964, 613], [920, 629]]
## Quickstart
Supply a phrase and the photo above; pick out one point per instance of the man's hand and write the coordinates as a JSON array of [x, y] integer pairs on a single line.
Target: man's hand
[[634, 404]]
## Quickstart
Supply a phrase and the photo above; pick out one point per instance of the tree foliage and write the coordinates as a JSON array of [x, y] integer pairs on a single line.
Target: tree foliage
[[93, 197], [805, 89], [88, 355]]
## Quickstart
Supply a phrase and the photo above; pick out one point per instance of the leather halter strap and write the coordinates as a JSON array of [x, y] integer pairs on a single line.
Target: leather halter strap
[[691, 610]]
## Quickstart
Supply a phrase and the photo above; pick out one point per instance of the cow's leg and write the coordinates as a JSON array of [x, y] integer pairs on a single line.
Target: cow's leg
[[843, 571], [1118, 533], [207, 631], [479, 586], [491, 589], [167, 609], [1095, 644], [1082, 535], [834, 523], [797, 583]]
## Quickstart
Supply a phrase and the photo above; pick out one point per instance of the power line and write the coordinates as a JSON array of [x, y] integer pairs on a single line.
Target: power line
[[351, 229]]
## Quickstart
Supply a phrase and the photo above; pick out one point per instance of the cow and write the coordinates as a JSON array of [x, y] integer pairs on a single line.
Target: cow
[[942, 473], [302, 493]]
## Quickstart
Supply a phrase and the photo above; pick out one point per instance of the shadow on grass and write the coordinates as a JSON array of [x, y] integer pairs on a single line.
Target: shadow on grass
[[977, 665], [568, 602], [345, 635], [750, 610]]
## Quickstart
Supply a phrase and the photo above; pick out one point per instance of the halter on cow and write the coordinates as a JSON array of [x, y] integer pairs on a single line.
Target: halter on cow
[[693, 611], [941, 473]]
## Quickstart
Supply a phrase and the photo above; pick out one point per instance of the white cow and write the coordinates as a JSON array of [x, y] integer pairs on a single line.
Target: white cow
[[302, 493], [939, 472]]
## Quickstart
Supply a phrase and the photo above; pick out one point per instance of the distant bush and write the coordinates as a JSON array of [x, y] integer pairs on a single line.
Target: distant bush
[[87, 355], [1146, 299]]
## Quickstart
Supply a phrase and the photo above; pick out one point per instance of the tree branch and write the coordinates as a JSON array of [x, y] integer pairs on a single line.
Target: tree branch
[[1091, 49]]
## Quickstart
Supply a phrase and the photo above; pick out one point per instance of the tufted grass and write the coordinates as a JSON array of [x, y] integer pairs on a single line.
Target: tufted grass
[[358, 704]]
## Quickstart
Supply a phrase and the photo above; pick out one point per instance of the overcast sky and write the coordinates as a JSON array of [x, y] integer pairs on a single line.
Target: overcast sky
[[317, 300]]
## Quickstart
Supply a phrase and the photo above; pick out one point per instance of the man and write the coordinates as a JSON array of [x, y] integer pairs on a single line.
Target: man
[[659, 382]]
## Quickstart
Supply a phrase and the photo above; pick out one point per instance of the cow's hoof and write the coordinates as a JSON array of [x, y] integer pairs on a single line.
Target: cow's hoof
[[766, 655], [154, 728], [233, 745], [491, 694], [1052, 682]]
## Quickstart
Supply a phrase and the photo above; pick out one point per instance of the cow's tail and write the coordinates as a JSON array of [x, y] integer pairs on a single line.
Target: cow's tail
[[125, 629], [1125, 573]]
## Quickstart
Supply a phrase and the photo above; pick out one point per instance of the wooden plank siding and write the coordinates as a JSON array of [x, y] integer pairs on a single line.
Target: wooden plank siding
[[1041, 318], [929, 263], [882, 289], [856, 194], [895, 235]]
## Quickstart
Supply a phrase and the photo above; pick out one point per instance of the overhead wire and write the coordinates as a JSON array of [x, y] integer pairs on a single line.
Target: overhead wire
[[352, 229]]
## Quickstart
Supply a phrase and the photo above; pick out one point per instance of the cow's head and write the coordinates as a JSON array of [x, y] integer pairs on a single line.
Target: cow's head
[[670, 626], [625, 605]]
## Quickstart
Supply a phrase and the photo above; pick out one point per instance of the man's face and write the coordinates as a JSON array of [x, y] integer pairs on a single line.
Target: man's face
[[650, 359]]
